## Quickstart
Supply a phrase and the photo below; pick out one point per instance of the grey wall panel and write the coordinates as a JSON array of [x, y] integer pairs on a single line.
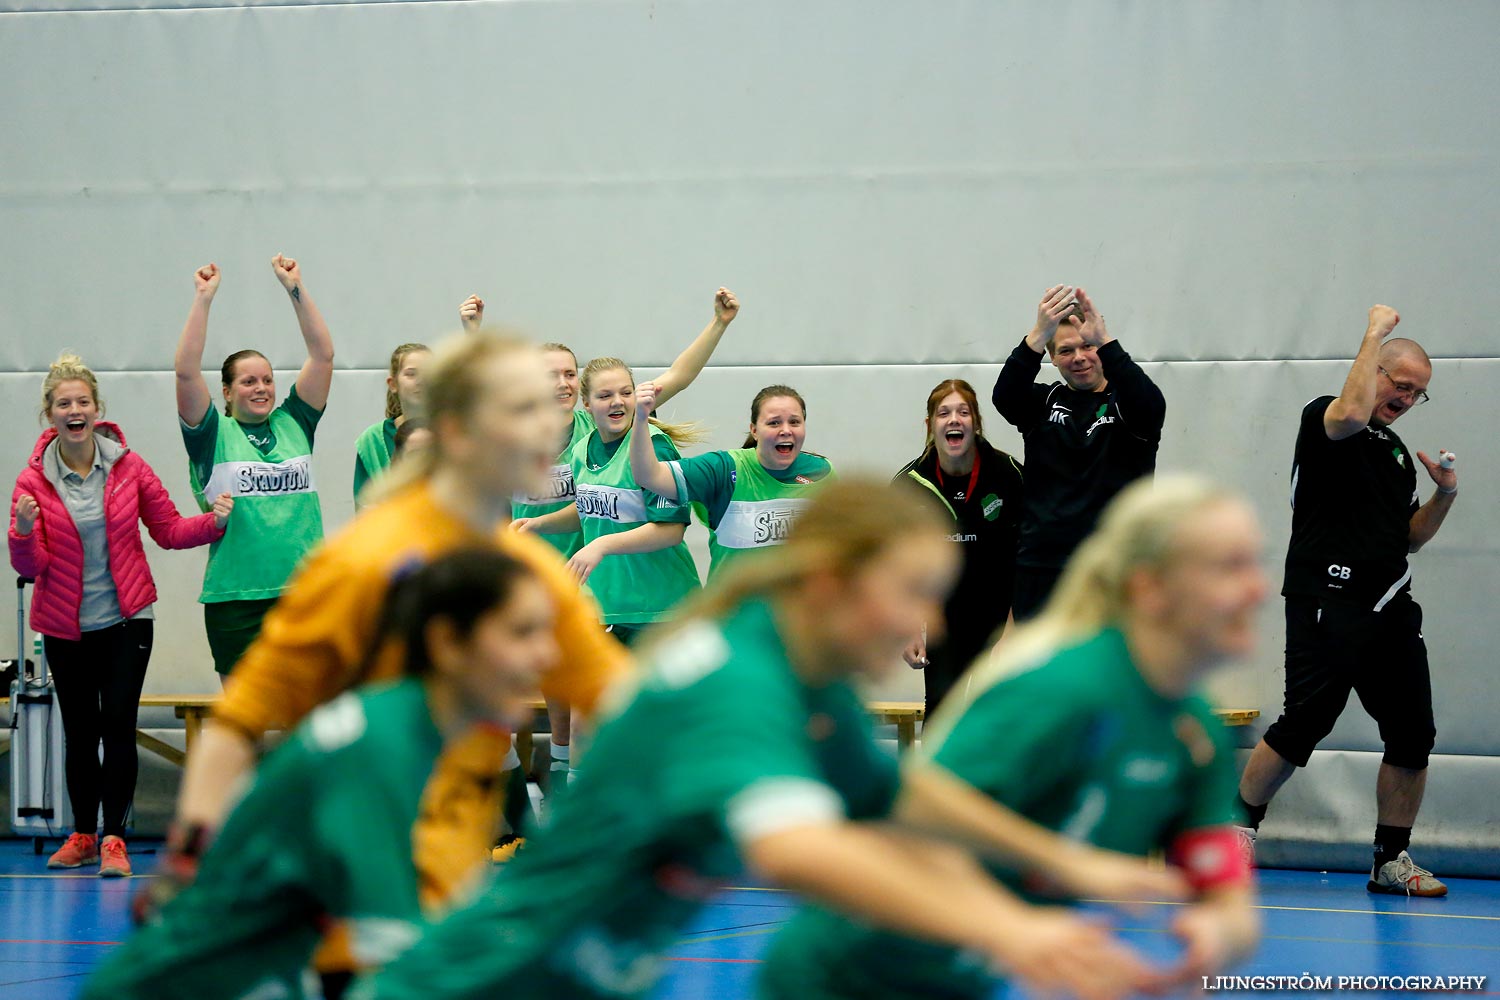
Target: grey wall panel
[[597, 164], [1324, 818]]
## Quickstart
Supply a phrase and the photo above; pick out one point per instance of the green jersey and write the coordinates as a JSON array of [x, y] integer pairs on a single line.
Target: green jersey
[[372, 453], [747, 506], [720, 744], [277, 518], [1081, 745], [640, 588], [324, 832], [559, 492]]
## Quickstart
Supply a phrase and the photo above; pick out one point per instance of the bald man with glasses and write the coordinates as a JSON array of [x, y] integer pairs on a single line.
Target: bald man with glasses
[[1351, 622]]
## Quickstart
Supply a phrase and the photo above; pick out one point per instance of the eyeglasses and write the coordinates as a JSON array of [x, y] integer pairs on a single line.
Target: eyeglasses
[[1418, 396]]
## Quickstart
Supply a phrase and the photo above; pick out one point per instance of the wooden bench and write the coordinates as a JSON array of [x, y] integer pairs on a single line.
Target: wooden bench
[[905, 715], [192, 709]]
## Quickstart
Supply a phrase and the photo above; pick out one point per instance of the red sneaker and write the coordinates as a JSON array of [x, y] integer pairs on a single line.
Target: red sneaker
[[78, 850], [116, 863]]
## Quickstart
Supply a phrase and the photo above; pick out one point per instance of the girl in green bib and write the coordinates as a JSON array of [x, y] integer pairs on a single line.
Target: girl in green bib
[[261, 456], [633, 558], [325, 831], [403, 399], [751, 495], [1090, 721]]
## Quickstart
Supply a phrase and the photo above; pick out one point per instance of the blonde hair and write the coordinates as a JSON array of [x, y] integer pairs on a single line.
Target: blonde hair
[[553, 345], [681, 434], [398, 358], [847, 524], [1138, 530], [68, 367], [453, 386]]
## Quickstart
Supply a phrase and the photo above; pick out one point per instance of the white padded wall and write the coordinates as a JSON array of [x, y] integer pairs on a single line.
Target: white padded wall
[[887, 186]]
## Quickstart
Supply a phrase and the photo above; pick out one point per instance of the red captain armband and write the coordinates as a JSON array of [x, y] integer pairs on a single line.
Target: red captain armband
[[1211, 858]]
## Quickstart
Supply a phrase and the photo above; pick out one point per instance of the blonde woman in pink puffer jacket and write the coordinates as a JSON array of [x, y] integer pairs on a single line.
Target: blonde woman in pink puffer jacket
[[74, 528]]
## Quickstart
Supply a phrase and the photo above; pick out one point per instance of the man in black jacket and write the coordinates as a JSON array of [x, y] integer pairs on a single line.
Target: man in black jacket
[[1087, 437]]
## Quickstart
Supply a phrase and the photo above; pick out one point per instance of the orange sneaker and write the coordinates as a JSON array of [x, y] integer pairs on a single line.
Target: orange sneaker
[[115, 863], [78, 850]]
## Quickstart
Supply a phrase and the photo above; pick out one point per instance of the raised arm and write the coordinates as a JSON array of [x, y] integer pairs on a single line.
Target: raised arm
[[1141, 403], [649, 471], [316, 376], [193, 397], [689, 364], [1429, 517], [1350, 412]]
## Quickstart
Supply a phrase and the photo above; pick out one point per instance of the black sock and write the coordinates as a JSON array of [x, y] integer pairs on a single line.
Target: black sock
[[517, 800], [1253, 814], [1389, 842]]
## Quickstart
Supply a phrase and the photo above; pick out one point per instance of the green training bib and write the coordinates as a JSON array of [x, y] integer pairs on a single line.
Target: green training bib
[[761, 511], [631, 589], [277, 517]]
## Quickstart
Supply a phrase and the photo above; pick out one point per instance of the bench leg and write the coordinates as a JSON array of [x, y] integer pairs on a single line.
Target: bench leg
[[906, 733], [524, 745], [192, 725], [156, 746]]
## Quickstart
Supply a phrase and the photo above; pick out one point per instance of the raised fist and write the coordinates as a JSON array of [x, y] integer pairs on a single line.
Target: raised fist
[[726, 306], [1383, 320], [645, 400], [222, 508], [471, 313], [206, 280], [288, 274], [27, 512]]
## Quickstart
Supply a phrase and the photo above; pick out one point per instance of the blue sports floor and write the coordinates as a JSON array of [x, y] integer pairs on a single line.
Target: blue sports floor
[[55, 927]]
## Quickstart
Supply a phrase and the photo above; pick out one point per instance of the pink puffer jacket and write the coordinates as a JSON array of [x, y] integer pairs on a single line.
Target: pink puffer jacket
[[53, 552]]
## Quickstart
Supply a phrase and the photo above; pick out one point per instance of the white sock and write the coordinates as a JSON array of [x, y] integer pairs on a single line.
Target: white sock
[[560, 755], [512, 759]]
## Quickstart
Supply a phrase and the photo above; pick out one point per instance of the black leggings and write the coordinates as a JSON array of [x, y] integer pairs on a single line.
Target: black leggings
[[99, 679]]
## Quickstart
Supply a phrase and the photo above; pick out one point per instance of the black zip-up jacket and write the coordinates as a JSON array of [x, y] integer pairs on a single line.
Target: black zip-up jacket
[[986, 522], [1081, 447]]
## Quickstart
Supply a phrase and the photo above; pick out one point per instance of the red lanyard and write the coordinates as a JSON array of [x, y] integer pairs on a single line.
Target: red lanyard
[[973, 477]]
